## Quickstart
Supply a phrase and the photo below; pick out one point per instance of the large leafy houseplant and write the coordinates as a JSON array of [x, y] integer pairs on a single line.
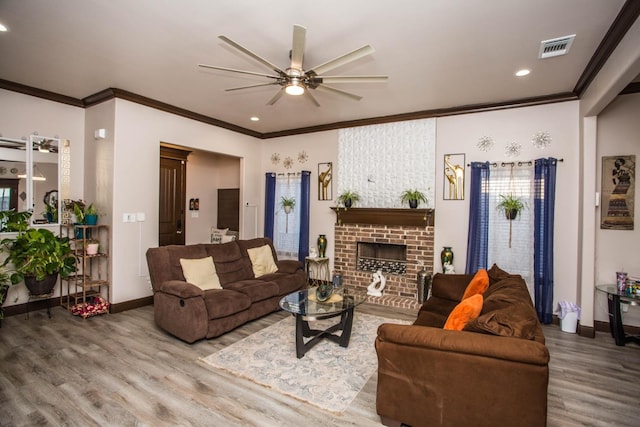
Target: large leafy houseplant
[[37, 253]]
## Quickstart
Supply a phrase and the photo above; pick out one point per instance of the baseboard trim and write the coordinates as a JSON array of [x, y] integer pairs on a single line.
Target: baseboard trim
[[131, 304], [14, 310]]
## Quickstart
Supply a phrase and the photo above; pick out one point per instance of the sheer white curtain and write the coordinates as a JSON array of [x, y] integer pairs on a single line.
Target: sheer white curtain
[[518, 259], [286, 229]]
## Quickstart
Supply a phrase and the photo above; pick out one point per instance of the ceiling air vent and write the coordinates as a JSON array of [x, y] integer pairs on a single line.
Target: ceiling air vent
[[555, 47]]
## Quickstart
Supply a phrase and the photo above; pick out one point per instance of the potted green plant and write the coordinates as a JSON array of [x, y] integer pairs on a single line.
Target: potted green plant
[[91, 215], [348, 198], [511, 206], [5, 282], [51, 214], [38, 256], [12, 221], [287, 204], [413, 197], [92, 246]]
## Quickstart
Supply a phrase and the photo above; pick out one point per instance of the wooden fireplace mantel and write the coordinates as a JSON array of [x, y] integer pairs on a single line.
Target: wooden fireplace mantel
[[384, 216]]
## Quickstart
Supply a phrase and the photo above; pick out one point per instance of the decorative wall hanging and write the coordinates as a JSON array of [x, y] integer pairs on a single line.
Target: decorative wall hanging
[[303, 156], [541, 139], [287, 162], [453, 177], [325, 186], [618, 189], [485, 143], [275, 158], [512, 149]]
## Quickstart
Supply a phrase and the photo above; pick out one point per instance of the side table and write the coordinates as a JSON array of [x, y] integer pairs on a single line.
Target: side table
[[615, 315], [316, 270]]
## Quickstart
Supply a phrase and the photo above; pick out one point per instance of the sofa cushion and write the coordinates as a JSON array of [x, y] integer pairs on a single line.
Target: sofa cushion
[[477, 285], [287, 282], [177, 252], [507, 311], [231, 266], [200, 272], [256, 290], [467, 310], [262, 260], [222, 303], [496, 274]]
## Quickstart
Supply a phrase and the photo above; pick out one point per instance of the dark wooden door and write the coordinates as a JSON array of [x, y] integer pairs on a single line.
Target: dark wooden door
[[173, 170], [229, 208]]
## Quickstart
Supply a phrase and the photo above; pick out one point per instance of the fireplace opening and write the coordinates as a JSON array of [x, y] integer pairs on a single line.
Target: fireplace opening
[[389, 258]]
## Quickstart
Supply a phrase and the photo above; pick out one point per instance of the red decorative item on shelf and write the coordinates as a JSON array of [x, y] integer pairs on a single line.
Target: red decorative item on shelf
[[97, 305]]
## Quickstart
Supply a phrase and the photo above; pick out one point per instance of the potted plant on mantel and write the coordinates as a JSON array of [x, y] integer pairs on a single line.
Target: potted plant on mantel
[[511, 206], [413, 197], [38, 257], [348, 198]]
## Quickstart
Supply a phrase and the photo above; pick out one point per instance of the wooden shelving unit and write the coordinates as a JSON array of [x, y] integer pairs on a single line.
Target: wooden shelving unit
[[92, 271]]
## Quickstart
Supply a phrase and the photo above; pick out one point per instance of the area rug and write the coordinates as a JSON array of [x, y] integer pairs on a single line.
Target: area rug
[[328, 376]]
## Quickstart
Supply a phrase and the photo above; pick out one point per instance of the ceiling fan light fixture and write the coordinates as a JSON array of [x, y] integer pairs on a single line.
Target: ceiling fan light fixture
[[295, 87]]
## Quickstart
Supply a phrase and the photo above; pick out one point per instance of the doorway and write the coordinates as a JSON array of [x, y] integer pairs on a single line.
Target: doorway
[[173, 172]]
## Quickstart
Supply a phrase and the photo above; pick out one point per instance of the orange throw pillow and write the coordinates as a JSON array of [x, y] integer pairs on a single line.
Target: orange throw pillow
[[477, 285], [467, 310]]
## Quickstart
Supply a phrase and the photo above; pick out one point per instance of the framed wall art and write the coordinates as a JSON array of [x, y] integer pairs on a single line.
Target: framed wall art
[[325, 185], [453, 177], [618, 189]]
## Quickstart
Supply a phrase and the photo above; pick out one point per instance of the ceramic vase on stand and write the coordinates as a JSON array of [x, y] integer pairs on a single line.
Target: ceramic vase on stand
[[322, 245], [446, 257]]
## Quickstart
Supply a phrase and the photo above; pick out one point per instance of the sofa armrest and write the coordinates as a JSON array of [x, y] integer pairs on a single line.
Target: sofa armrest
[[181, 289], [462, 342], [289, 266]]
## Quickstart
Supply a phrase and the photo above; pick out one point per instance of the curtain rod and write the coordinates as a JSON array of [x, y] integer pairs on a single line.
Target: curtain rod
[[289, 173], [528, 163]]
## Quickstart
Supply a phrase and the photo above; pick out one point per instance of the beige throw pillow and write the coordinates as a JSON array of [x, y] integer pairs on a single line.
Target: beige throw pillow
[[262, 260], [201, 272]]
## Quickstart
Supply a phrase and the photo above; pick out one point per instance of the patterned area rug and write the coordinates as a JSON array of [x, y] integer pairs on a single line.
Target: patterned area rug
[[328, 376]]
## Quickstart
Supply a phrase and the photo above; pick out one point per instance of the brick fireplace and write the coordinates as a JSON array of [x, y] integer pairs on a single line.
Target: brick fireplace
[[409, 229]]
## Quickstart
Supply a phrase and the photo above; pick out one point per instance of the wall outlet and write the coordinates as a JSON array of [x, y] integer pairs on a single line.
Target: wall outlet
[[140, 216]]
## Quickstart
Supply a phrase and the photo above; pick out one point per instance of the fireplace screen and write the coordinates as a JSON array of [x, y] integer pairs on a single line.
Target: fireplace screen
[[389, 258]]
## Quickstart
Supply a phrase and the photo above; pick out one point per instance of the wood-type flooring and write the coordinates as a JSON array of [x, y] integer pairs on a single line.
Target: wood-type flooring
[[121, 370]]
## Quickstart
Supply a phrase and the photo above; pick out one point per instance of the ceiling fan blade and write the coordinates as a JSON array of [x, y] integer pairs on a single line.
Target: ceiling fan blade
[[351, 79], [276, 97], [233, 70], [251, 54], [297, 49], [250, 86], [312, 98], [339, 92], [341, 60]]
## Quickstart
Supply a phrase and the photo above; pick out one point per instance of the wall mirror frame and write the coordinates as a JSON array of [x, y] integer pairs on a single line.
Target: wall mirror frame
[[32, 173]]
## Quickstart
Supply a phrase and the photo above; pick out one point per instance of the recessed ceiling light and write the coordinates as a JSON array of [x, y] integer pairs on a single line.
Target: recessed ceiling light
[[255, 119], [522, 73], [3, 28]]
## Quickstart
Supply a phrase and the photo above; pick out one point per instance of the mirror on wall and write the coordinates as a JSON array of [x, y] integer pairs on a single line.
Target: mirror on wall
[[30, 176]]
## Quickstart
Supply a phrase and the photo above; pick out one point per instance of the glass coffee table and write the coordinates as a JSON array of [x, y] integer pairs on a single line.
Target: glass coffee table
[[305, 307], [614, 297]]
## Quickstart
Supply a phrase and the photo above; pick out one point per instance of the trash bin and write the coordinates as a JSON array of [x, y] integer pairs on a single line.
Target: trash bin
[[569, 314]]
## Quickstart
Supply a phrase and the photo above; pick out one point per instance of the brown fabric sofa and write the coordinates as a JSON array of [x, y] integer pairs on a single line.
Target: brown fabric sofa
[[189, 313], [492, 373]]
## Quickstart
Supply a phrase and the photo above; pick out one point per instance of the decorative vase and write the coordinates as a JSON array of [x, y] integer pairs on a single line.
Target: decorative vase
[[324, 291], [322, 245], [446, 256]]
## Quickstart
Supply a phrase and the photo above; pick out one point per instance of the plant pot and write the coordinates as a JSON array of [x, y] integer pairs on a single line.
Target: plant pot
[[91, 219], [92, 248], [348, 203], [287, 209], [413, 204], [41, 287], [511, 214]]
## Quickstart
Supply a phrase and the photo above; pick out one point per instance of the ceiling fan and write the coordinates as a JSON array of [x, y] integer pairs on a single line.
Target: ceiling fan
[[295, 80]]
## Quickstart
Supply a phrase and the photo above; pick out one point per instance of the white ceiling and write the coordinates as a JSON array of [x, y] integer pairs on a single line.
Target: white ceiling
[[437, 53]]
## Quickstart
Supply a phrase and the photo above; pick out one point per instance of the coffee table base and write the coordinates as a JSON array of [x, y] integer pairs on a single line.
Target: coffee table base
[[304, 331]]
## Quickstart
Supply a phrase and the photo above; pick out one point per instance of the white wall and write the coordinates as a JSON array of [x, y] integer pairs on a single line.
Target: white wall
[[617, 250], [138, 133]]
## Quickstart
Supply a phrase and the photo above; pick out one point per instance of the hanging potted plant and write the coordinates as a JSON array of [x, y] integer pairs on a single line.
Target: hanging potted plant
[[413, 197], [287, 204], [38, 257], [348, 198], [511, 206]]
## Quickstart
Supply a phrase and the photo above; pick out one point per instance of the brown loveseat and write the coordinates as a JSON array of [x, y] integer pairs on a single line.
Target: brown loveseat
[[190, 313], [494, 372]]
